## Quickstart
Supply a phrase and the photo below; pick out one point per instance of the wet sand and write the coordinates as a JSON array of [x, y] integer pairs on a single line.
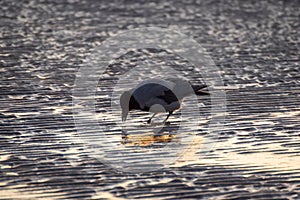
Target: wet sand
[[254, 46]]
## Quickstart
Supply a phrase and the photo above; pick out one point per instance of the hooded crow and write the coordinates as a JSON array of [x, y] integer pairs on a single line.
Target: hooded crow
[[158, 96]]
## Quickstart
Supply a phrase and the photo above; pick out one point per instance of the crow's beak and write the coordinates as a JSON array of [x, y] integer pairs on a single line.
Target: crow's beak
[[124, 115]]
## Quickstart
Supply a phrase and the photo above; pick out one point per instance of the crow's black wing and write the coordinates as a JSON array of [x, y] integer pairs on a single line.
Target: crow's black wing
[[168, 97], [147, 93]]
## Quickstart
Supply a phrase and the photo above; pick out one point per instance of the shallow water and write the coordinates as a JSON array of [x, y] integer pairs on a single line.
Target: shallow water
[[255, 156]]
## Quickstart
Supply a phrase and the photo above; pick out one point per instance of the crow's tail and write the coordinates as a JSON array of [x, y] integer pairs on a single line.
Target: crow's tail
[[198, 89]]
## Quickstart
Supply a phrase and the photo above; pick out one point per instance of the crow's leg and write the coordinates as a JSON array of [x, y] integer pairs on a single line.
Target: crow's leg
[[165, 121], [149, 120]]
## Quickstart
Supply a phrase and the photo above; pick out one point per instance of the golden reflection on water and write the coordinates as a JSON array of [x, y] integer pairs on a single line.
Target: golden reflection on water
[[263, 159], [146, 139], [230, 152], [260, 159], [17, 193]]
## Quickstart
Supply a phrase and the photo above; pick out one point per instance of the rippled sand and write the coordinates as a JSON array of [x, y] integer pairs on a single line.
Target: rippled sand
[[256, 156]]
